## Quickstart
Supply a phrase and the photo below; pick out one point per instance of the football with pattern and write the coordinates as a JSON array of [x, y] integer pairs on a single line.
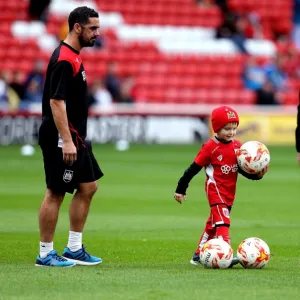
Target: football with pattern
[[253, 253], [253, 156], [216, 254]]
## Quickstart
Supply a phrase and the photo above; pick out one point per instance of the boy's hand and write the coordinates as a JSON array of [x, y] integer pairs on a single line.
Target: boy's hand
[[263, 171], [179, 197]]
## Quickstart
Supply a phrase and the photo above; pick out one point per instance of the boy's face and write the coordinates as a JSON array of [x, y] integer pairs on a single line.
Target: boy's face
[[228, 132]]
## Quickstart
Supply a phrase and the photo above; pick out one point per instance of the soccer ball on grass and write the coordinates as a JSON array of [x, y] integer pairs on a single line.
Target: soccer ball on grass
[[216, 254], [253, 253], [253, 156]]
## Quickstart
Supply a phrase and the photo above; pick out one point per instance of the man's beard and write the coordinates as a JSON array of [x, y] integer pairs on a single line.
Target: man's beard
[[83, 43]]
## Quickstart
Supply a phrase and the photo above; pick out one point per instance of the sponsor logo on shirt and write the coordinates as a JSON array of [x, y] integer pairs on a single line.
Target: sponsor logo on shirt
[[227, 168]]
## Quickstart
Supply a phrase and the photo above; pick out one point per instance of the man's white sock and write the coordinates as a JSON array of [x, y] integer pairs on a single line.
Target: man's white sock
[[75, 241], [45, 248]]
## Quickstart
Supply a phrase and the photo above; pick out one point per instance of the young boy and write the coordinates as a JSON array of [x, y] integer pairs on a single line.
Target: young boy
[[218, 157]]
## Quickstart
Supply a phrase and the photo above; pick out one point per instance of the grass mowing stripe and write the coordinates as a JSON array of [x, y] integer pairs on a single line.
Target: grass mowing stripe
[[143, 236]]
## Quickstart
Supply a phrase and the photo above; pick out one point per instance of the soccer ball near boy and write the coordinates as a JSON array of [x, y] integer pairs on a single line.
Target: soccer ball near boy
[[253, 157], [216, 254], [253, 253]]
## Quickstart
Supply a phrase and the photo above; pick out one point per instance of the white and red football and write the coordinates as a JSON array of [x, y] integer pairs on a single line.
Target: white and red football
[[253, 156], [216, 254], [253, 253]]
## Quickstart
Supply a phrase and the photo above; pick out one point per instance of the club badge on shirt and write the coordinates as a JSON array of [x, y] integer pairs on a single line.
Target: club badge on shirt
[[226, 212], [83, 75]]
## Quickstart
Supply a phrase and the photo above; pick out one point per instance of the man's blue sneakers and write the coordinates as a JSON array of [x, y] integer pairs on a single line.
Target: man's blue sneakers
[[53, 260], [81, 257]]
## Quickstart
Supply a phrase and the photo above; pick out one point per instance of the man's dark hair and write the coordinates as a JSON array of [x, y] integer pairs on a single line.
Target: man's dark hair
[[81, 16]]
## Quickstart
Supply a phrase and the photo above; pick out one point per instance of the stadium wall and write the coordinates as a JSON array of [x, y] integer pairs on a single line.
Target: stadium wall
[[163, 123]]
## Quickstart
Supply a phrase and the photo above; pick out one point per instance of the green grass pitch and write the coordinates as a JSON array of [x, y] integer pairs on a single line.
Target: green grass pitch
[[144, 237]]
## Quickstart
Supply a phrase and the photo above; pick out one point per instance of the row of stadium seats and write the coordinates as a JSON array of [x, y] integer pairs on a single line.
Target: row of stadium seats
[[193, 82], [276, 14], [206, 96], [209, 96], [137, 48]]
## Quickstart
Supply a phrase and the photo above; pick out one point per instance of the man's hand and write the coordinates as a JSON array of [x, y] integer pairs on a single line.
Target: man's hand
[[179, 197], [69, 153]]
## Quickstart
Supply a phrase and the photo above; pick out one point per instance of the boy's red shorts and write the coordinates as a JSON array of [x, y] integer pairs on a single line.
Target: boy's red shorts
[[220, 215]]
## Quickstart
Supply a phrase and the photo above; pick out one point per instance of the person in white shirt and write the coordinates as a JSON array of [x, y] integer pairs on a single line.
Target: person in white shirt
[[101, 94]]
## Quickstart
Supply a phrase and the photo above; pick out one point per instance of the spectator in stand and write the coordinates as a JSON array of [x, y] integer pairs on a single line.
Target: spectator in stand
[[253, 28], [222, 4], [127, 88], [205, 3], [112, 81], [33, 87], [254, 75], [33, 93], [35, 80], [90, 97], [13, 99], [227, 28], [99, 43], [63, 30], [9, 99], [17, 83], [233, 28], [275, 72], [266, 95], [37, 10], [101, 95], [3, 89], [296, 20]]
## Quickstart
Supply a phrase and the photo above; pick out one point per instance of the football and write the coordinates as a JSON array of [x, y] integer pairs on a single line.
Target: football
[[216, 254], [253, 156], [253, 253]]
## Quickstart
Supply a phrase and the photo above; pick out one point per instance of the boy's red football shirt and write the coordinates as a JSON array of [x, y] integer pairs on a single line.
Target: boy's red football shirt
[[220, 163]]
